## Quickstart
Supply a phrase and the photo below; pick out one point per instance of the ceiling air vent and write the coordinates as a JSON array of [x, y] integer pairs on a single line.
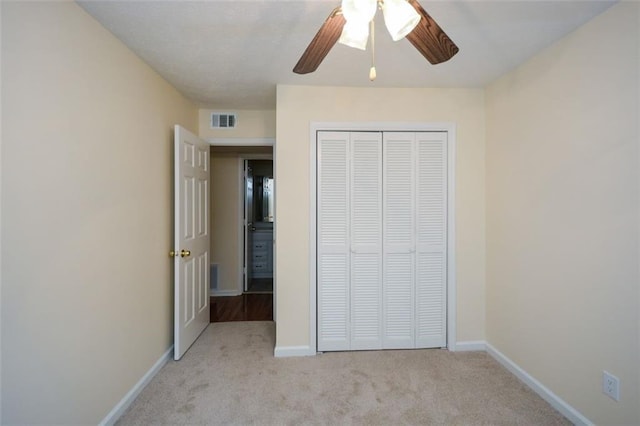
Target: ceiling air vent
[[223, 120]]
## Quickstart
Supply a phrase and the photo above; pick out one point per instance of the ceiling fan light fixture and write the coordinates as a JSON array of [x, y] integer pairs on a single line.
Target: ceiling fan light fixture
[[355, 34], [423, 32], [358, 14], [359, 10], [399, 17]]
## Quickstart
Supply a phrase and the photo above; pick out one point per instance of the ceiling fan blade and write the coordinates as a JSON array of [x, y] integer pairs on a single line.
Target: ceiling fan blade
[[429, 38], [322, 43]]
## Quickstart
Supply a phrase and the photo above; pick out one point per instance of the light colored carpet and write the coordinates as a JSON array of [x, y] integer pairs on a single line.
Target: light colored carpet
[[230, 376]]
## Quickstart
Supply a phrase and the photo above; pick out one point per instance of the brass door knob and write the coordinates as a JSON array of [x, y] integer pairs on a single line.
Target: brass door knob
[[172, 253], [185, 253]]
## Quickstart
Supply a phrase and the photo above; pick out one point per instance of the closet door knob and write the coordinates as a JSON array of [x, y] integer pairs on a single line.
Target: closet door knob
[[185, 253]]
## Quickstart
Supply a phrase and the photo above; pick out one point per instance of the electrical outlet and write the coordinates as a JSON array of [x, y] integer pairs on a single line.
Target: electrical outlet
[[611, 386]]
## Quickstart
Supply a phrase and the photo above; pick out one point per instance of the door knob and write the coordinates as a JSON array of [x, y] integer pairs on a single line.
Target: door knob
[[172, 253], [185, 253]]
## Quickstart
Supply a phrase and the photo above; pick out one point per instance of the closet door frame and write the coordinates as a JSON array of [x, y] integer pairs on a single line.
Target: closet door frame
[[450, 129]]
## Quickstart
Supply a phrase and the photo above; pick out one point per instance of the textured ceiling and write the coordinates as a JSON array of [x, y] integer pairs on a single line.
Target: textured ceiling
[[232, 53]]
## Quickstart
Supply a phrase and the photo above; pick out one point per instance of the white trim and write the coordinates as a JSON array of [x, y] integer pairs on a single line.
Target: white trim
[[241, 240], [224, 293], [471, 345], [380, 127], [450, 128], [556, 402], [128, 399], [452, 295], [288, 351], [313, 247], [274, 251], [241, 141]]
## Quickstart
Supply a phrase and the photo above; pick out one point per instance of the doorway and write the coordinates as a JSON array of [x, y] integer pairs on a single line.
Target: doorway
[[229, 300], [258, 226]]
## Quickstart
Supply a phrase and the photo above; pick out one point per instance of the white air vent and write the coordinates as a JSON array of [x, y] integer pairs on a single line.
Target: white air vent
[[223, 120]]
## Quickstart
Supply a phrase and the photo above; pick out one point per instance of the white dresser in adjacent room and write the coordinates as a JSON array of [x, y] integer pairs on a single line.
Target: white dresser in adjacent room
[[262, 253]]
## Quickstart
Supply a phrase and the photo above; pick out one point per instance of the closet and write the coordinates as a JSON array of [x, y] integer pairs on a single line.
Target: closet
[[381, 240]]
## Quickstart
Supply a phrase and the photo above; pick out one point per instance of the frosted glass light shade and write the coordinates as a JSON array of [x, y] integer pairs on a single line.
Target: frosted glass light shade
[[358, 14], [355, 34], [399, 17], [359, 10]]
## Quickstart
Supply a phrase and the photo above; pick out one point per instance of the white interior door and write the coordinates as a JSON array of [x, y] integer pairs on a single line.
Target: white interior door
[[431, 239], [366, 240], [399, 247], [333, 263], [191, 230]]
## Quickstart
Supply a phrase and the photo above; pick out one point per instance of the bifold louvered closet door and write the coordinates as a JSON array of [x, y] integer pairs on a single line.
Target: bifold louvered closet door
[[381, 255]]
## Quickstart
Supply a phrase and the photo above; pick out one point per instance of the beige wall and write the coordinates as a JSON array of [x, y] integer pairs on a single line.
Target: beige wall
[[251, 124], [297, 107], [225, 220], [563, 215], [87, 301]]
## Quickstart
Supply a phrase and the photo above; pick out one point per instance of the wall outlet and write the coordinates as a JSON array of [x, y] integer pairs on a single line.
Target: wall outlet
[[611, 386]]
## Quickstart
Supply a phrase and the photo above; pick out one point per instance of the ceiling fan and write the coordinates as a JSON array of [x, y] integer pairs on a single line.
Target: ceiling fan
[[351, 24]]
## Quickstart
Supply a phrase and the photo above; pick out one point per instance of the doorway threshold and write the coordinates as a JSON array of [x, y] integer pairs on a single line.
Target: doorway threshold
[[246, 307]]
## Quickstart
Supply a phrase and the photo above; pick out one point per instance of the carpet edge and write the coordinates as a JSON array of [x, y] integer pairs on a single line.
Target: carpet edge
[[545, 393], [119, 409]]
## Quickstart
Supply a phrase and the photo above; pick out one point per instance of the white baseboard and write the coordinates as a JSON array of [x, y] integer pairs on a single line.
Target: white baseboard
[[556, 402], [470, 345], [224, 293], [287, 351], [125, 402]]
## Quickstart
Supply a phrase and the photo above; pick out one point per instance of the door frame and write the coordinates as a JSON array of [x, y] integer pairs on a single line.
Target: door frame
[[241, 241], [249, 142], [450, 128]]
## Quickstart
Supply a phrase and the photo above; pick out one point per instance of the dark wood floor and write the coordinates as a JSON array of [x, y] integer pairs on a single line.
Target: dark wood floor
[[246, 307]]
